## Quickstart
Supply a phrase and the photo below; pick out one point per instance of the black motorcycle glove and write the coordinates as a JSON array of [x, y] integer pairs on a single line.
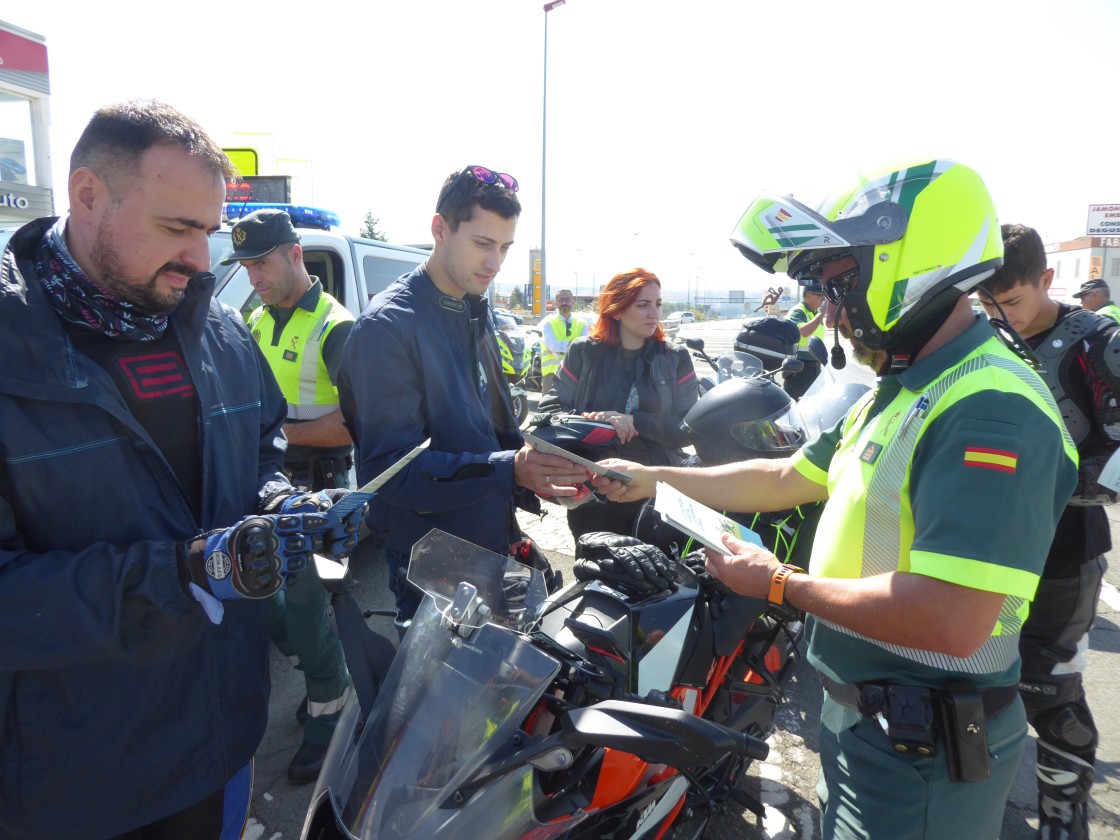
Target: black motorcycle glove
[[625, 562]]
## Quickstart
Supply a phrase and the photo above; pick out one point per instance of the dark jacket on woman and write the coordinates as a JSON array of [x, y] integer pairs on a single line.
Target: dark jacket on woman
[[594, 377]]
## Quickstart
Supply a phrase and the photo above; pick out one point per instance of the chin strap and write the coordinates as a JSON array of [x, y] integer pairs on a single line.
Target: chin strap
[[903, 347]]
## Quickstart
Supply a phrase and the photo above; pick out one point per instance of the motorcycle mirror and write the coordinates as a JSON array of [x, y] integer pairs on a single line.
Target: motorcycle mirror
[[792, 366], [818, 349], [695, 344], [335, 574]]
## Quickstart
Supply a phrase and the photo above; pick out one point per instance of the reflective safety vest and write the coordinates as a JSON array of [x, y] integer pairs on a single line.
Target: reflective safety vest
[[297, 359], [550, 362], [868, 524], [1111, 310], [819, 332]]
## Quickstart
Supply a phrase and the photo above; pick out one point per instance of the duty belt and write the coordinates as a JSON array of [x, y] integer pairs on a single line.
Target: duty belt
[[919, 719], [867, 698]]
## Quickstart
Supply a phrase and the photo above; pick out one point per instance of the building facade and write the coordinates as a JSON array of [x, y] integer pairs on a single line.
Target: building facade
[[1082, 259], [25, 153]]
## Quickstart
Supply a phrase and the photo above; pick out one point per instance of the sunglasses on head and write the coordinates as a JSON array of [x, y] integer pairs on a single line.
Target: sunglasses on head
[[483, 176]]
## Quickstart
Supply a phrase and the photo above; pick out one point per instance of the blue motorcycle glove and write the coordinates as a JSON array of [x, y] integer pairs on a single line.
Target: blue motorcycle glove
[[254, 558], [341, 533]]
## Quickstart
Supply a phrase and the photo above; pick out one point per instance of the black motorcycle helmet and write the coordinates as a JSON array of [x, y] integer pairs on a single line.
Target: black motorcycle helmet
[[745, 418], [770, 339], [591, 439]]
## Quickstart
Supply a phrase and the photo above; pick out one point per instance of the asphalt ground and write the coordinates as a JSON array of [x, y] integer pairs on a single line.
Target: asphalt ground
[[786, 781]]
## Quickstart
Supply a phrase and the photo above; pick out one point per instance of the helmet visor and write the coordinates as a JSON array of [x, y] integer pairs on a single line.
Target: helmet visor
[[781, 432], [776, 227]]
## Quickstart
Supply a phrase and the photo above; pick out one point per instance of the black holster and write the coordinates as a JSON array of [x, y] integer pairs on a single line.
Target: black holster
[[916, 718]]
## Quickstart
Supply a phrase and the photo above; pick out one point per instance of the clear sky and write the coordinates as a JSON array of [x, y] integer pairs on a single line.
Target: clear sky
[[665, 119]]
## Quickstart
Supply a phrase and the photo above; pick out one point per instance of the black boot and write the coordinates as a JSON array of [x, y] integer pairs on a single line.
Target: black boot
[[307, 763], [301, 711], [1064, 781]]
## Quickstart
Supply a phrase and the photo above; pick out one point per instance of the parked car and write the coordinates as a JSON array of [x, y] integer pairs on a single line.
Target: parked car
[[683, 317]]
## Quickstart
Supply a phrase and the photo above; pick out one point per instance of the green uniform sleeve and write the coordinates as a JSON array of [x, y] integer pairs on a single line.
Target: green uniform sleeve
[[990, 478], [813, 459], [798, 315]]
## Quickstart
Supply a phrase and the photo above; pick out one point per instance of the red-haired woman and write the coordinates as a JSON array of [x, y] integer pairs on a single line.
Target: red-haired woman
[[627, 373]]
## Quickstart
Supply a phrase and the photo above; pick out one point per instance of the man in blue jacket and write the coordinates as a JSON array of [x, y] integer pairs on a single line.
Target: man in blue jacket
[[422, 362], [138, 422]]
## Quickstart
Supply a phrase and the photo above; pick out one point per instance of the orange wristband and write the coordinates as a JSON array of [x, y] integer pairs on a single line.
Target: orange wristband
[[777, 595]]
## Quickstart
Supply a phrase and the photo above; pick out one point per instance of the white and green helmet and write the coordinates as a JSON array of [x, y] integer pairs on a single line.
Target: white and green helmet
[[916, 232]]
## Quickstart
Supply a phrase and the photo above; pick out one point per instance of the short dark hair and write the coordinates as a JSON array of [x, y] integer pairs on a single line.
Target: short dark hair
[[1024, 260], [118, 135], [458, 206]]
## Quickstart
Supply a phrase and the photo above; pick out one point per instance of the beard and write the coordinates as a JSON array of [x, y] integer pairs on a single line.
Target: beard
[[874, 359], [144, 293]]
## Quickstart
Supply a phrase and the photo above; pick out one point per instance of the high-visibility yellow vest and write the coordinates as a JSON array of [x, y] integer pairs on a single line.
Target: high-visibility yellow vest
[[550, 362], [819, 332], [297, 359], [1111, 310], [868, 524]]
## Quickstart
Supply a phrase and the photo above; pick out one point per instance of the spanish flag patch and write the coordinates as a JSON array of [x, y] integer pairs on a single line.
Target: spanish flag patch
[[991, 459]]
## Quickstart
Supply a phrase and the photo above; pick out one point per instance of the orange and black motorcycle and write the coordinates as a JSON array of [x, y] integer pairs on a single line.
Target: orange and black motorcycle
[[597, 711]]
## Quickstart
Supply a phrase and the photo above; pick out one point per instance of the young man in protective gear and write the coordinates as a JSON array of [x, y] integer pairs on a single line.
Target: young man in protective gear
[[913, 616], [1074, 347]]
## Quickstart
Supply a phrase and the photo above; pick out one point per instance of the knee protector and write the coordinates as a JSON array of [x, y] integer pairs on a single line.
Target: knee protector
[[1070, 728], [1042, 693]]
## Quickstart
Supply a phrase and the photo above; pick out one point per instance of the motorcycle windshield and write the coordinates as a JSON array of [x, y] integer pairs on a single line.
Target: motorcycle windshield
[[738, 365], [448, 706]]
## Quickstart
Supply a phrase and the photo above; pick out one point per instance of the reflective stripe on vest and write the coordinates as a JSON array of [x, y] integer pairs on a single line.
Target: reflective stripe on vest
[[819, 332], [550, 362], [302, 377], [885, 530]]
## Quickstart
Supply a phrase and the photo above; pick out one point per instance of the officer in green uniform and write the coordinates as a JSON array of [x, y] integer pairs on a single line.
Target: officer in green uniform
[[1096, 296], [558, 331], [301, 331], [809, 317], [913, 613]]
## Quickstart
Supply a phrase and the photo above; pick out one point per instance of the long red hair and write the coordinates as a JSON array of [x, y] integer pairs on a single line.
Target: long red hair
[[617, 296]]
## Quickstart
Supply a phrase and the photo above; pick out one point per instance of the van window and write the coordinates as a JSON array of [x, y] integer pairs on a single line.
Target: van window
[[381, 271], [327, 266]]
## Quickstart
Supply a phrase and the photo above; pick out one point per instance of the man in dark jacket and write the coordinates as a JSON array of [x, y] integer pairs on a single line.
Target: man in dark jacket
[[422, 362], [136, 417]]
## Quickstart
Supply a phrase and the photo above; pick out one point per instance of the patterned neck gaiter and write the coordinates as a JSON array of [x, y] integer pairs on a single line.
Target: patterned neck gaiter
[[78, 300]]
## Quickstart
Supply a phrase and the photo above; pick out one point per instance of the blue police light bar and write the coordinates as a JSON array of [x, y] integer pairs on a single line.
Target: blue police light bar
[[307, 217]]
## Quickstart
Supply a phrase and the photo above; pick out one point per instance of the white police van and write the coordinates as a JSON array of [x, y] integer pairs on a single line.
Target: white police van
[[351, 269]]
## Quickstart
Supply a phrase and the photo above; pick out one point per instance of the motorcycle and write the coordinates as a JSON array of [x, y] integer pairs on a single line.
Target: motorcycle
[[509, 713], [516, 362]]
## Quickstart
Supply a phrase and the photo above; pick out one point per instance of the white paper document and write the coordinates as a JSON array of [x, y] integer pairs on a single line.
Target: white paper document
[[699, 521]]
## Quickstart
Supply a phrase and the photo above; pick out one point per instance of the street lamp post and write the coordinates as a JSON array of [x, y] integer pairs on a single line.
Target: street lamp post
[[548, 7]]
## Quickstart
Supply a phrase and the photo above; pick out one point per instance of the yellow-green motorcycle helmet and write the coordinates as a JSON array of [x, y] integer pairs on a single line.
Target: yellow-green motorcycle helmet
[[922, 235]]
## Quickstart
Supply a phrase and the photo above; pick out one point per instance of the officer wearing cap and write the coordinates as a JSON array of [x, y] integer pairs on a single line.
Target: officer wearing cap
[[301, 331], [1095, 295], [809, 317]]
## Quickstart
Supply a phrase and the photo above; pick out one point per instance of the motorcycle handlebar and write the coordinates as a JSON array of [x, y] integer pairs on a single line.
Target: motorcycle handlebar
[[753, 748]]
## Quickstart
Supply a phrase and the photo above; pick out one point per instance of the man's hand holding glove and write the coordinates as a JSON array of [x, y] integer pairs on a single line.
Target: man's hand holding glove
[[625, 562], [258, 556]]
